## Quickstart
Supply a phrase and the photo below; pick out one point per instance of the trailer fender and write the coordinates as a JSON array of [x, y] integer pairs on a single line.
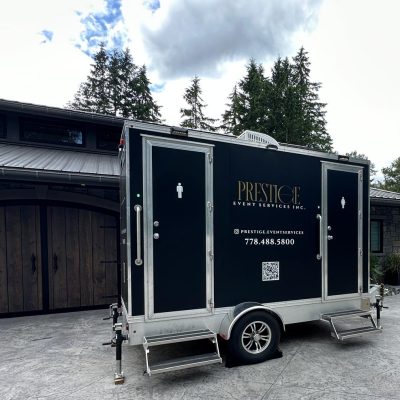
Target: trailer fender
[[244, 308]]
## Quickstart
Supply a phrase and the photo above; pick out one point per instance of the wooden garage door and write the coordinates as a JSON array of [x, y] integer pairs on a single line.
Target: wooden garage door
[[82, 254], [20, 259]]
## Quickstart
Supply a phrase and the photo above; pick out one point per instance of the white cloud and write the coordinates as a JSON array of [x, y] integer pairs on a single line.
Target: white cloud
[[352, 47], [354, 54]]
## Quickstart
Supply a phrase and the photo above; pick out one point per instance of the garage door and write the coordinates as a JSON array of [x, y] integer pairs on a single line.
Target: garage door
[[54, 258]]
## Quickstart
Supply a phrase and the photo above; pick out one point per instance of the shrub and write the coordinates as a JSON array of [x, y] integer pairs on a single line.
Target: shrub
[[375, 269]]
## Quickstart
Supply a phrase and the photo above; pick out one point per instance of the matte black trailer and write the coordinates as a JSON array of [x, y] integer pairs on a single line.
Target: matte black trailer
[[238, 237]]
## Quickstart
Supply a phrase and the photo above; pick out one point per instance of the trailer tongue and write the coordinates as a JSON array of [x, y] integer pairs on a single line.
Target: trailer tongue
[[238, 237]]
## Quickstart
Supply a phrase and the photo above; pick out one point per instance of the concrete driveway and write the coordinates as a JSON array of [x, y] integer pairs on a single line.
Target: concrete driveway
[[60, 356]]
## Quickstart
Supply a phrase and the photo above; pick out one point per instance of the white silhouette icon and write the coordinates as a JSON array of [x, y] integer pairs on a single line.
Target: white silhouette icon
[[343, 202], [179, 190]]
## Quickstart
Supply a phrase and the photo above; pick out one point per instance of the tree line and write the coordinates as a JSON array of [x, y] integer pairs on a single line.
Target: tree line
[[284, 105]]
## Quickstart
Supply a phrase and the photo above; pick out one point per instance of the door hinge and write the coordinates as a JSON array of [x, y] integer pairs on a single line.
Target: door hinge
[[361, 252], [210, 303], [211, 255], [210, 158], [210, 206], [361, 178]]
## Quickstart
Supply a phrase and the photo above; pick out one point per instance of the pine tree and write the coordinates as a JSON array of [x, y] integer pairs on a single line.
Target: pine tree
[[193, 117], [248, 106], [309, 114], [372, 169], [115, 81], [93, 95], [391, 177], [146, 108], [128, 85], [281, 99], [116, 86], [286, 106], [231, 117]]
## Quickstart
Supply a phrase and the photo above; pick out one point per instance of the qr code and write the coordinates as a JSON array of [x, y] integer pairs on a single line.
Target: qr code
[[270, 271]]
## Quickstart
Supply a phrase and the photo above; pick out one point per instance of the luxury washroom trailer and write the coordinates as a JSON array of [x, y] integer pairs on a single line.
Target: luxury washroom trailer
[[237, 237]]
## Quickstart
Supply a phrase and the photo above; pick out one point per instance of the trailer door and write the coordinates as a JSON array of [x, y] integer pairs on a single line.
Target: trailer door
[[342, 230], [178, 227]]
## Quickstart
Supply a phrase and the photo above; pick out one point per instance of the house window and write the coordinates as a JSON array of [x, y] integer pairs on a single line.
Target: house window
[[108, 138], [376, 236], [2, 126], [52, 132]]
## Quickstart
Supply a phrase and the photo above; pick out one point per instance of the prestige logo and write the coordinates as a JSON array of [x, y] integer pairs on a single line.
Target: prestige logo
[[267, 195]]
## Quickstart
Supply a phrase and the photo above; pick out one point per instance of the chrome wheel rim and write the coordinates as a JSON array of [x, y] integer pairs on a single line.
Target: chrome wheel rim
[[256, 337]]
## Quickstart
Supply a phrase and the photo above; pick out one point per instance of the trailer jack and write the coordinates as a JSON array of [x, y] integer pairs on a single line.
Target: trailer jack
[[119, 377], [379, 305]]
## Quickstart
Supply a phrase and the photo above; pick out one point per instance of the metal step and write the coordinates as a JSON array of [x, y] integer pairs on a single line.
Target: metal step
[[185, 362], [188, 336], [351, 333], [344, 334], [345, 314]]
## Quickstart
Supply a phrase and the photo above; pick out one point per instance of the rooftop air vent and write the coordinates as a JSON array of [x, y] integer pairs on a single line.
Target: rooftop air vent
[[261, 138]]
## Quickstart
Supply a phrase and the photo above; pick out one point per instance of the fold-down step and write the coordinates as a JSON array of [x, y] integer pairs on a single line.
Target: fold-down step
[[356, 330], [181, 362]]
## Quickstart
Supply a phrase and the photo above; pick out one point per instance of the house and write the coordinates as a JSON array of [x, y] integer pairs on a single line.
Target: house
[[59, 209]]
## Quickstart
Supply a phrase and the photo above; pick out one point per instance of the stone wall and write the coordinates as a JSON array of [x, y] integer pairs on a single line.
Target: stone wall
[[390, 215]]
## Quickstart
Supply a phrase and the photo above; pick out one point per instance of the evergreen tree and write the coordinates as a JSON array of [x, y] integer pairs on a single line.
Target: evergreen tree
[[146, 107], [93, 95], [231, 117], [116, 86], [391, 177], [286, 106], [309, 114], [248, 102], [115, 81], [193, 117], [281, 102], [372, 169]]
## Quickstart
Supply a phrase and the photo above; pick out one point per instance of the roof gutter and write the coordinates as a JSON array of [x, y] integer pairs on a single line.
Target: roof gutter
[[59, 177], [384, 202]]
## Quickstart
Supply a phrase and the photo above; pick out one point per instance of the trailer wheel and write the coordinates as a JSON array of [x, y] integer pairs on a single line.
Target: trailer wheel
[[254, 338]]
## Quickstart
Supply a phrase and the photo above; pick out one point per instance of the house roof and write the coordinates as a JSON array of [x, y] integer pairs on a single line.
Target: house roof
[[39, 163], [70, 114], [380, 196]]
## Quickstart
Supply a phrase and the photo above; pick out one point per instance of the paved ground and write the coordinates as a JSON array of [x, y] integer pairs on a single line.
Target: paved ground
[[61, 357]]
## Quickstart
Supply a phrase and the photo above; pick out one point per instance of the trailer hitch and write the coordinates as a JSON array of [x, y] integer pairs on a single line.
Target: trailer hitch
[[115, 312]]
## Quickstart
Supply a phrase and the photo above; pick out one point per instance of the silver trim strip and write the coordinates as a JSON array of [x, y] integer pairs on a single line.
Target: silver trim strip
[[326, 166], [148, 143], [128, 221]]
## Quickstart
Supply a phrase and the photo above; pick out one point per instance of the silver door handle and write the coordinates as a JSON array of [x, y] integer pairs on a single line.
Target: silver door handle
[[330, 237], [319, 255], [138, 210]]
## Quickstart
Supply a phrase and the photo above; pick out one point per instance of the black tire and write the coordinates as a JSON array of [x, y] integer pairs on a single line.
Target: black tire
[[254, 338]]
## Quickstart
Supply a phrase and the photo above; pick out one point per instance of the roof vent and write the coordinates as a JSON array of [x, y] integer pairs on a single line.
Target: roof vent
[[258, 137]]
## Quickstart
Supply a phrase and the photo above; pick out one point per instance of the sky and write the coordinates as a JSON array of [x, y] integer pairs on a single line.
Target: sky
[[353, 45]]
